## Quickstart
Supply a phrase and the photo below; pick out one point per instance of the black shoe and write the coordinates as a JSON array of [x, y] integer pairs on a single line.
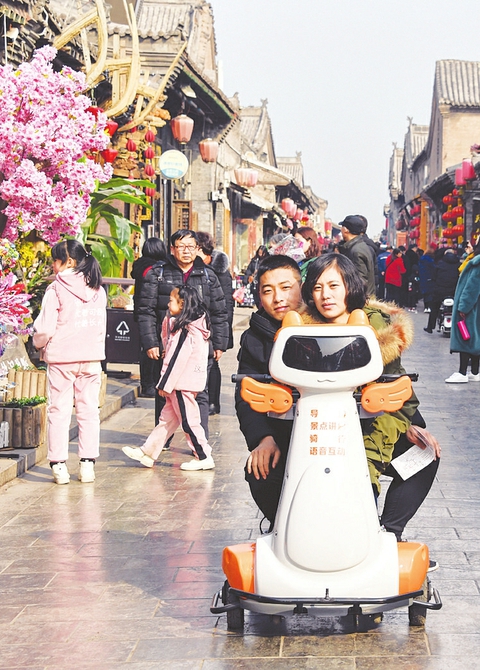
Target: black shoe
[[432, 566], [428, 330], [213, 409], [150, 392]]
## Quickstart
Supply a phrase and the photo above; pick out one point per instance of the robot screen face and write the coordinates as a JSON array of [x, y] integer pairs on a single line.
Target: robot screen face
[[326, 354]]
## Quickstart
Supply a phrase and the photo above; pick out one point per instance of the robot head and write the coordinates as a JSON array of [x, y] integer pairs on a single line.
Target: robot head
[[325, 358]]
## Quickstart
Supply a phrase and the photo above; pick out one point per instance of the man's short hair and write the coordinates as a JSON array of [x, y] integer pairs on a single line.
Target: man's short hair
[[205, 242], [277, 262], [180, 234]]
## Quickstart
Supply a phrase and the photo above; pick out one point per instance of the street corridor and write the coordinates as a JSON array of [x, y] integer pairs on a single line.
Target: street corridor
[[120, 573]]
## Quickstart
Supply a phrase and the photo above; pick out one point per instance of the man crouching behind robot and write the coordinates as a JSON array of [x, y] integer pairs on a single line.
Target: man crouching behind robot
[[332, 290]]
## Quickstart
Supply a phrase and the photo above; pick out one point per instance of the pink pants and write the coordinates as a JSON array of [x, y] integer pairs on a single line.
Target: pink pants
[[65, 380], [180, 409]]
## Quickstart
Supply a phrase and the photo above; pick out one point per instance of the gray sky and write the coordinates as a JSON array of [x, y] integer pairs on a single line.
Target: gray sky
[[341, 77]]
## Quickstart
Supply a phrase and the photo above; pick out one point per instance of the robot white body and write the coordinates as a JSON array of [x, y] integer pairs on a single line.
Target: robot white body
[[327, 537]]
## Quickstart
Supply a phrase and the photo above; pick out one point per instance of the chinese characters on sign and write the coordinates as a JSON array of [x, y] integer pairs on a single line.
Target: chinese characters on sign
[[327, 437]]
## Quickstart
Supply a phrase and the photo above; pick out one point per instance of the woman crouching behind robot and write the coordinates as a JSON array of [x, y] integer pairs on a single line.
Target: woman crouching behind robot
[[331, 291]]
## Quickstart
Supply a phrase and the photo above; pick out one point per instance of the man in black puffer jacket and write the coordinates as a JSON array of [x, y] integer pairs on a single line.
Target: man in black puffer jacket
[[181, 267]]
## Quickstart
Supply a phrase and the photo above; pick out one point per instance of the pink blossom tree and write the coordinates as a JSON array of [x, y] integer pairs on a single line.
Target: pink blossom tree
[[46, 134]]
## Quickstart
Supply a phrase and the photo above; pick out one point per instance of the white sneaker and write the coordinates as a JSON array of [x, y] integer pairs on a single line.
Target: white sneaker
[[195, 464], [138, 454], [473, 378], [87, 472], [60, 473], [457, 378], [427, 310]]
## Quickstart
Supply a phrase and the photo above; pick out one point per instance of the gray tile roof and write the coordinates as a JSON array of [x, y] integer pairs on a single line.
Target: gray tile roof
[[255, 126], [415, 140], [293, 166], [457, 83]]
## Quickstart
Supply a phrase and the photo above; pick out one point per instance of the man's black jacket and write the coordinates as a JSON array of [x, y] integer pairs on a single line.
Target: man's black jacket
[[256, 345], [152, 301]]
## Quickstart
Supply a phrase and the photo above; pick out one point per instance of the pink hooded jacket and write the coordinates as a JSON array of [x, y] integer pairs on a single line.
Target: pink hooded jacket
[[71, 326], [186, 356]]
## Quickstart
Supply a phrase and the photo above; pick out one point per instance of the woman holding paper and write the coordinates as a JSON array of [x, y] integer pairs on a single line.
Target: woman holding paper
[[332, 290]]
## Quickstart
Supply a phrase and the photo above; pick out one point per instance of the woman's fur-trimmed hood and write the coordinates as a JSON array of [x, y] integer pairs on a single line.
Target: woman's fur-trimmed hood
[[220, 262], [393, 326]]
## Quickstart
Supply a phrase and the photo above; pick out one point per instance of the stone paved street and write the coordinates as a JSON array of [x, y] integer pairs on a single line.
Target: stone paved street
[[120, 573]]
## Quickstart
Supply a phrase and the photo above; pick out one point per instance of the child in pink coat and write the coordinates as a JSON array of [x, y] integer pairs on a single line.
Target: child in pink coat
[[71, 331], [185, 336]]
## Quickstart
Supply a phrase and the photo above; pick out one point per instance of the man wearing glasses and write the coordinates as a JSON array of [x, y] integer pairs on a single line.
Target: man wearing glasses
[[182, 266]]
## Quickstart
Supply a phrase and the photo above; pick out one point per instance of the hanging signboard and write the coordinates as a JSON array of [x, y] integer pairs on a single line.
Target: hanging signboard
[[173, 164]]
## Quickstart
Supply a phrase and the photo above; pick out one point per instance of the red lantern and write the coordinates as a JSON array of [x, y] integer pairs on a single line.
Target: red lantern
[[455, 192], [208, 150], [468, 171], [252, 178], [288, 206], [461, 229], [150, 192], [149, 136], [95, 111], [182, 128], [298, 215], [109, 155], [246, 177], [149, 170], [459, 178], [131, 146], [149, 153], [305, 216], [111, 127]]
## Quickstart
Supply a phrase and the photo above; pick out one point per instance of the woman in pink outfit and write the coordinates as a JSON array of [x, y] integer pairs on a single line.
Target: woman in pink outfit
[[185, 335], [71, 331]]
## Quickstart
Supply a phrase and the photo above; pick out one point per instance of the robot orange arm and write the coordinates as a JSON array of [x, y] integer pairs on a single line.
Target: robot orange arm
[[266, 397], [388, 396]]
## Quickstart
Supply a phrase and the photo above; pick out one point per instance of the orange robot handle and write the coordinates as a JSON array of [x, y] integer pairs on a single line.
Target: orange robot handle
[[386, 397], [266, 397]]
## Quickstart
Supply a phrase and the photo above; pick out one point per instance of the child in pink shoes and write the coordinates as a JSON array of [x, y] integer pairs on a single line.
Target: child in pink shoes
[[185, 335]]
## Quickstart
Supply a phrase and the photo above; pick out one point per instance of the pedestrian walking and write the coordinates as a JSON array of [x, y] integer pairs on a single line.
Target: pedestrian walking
[[219, 262], [465, 334], [410, 278], [251, 271], [153, 250], [71, 330], [381, 268], [445, 279], [394, 270], [426, 271], [185, 335], [183, 266]]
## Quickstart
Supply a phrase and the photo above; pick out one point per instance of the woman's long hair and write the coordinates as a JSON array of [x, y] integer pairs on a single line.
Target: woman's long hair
[[86, 264], [193, 308], [356, 293], [309, 234]]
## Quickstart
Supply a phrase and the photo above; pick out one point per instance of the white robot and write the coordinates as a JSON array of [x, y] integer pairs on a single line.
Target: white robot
[[327, 554]]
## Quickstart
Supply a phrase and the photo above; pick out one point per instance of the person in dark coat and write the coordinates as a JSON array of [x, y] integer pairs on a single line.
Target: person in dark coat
[[426, 270], [182, 266], [445, 279], [409, 280], [358, 251], [466, 308], [219, 262], [261, 252], [153, 250]]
